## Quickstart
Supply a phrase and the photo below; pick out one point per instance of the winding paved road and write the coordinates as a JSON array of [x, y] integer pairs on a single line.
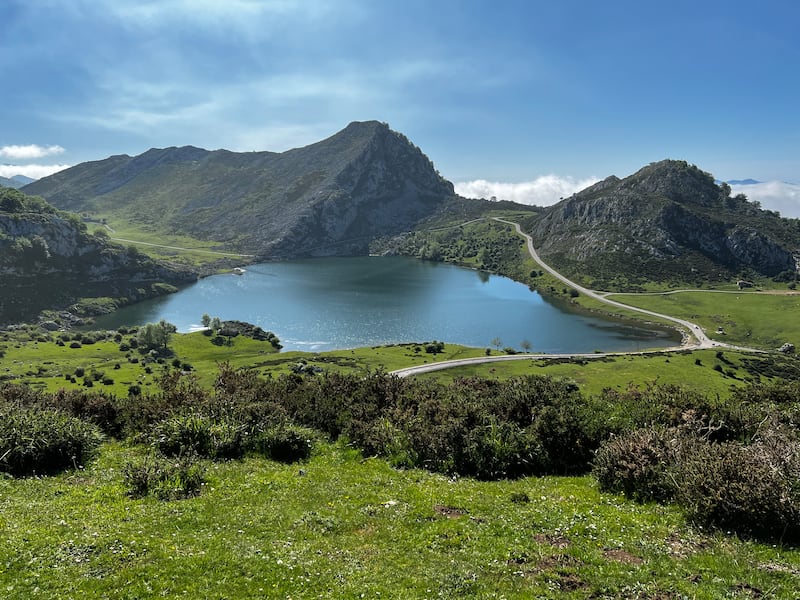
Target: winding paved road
[[695, 339]]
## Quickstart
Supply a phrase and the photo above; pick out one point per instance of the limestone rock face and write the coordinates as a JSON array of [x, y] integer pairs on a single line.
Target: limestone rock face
[[669, 218], [48, 260]]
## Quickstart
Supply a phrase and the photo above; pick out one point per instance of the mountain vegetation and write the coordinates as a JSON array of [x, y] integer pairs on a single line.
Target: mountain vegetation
[[369, 189], [330, 198], [321, 485], [49, 260], [436, 478], [667, 222]]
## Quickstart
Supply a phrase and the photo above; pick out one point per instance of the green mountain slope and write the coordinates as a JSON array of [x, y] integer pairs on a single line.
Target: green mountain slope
[[49, 260], [668, 221], [329, 198]]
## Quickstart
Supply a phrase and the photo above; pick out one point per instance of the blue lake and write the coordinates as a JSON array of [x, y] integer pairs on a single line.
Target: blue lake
[[336, 303]]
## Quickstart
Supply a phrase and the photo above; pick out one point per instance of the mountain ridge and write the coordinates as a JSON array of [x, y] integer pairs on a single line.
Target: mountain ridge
[[15, 181], [331, 197], [671, 219]]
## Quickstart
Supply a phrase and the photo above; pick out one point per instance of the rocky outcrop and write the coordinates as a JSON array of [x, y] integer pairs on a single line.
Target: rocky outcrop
[[49, 260], [669, 218]]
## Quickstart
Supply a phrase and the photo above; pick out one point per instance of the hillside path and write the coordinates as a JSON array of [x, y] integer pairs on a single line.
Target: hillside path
[[696, 333], [183, 249]]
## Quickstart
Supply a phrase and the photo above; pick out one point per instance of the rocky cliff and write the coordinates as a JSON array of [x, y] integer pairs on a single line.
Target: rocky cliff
[[49, 260], [329, 198], [668, 220]]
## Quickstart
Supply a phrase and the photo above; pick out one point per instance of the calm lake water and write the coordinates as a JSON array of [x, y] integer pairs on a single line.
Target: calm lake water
[[336, 303]]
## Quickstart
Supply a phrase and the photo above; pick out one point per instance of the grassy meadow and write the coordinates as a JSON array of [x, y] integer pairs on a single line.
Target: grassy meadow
[[345, 524], [44, 364], [751, 319], [342, 526], [705, 371]]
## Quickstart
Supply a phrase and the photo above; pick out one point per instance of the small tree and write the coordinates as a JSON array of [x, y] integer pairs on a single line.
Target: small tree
[[205, 320], [525, 345], [155, 336], [497, 342]]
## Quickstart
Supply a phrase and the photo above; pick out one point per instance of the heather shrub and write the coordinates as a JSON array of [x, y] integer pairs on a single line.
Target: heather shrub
[[639, 464], [752, 489]]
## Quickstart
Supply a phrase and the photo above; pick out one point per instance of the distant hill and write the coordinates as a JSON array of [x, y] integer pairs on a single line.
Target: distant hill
[[329, 198], [16, 182], [669, 220], [48, 260], [22, 179], [743, 181]]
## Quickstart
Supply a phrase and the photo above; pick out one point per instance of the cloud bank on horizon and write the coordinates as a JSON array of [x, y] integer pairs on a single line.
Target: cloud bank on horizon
[[773, 195], [21, 153], [29, 152], [542, 191]]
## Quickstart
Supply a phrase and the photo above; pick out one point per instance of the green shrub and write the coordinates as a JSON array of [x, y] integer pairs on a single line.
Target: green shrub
[[382, 437], [639, 464], [43, 441], [192, 432], [174, 479], [751, 489], [285, 443], [497, 450], [99, 408]]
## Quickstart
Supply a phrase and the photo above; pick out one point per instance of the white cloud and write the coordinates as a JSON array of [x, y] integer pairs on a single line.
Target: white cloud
[[251, 18], [542, 191], [29, 152], [32, 171], [773, 195]]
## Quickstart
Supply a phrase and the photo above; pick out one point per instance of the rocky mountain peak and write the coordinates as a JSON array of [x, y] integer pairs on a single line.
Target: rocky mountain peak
[[668, 219], [675, 180], [332, 197]]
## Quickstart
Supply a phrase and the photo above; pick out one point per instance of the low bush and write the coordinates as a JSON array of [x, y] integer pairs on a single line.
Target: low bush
[[285, 443], [497, 450], [99, 408], [192, 432], [749, 488], [639, 464], [42, 441], [174, 479], [752, 489]]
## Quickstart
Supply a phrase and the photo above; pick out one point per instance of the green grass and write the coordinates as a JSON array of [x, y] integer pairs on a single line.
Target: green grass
[[359, 360], [596, 374], [747, 318], [340, 526], [193, 251], [44, 364]]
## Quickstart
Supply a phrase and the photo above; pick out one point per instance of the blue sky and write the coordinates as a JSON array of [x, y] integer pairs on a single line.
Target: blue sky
[[548, 95]]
